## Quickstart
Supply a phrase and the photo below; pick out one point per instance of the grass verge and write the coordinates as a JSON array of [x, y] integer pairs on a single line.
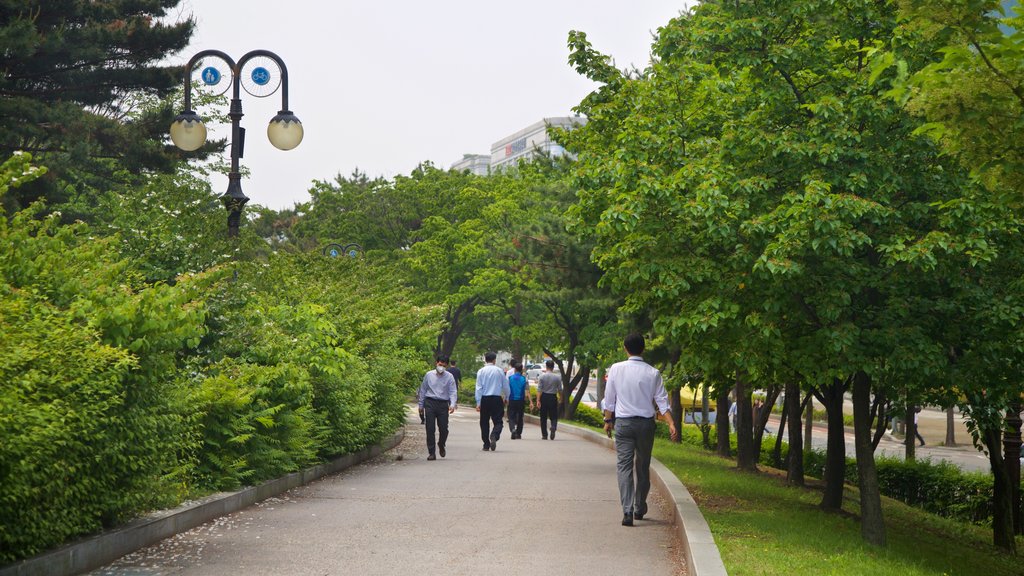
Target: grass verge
[[764, 527]]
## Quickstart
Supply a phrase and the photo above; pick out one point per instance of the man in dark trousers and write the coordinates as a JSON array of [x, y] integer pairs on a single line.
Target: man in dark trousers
[[491, 395], [634, 389], [548, 386], [437, 398], [456, 373]]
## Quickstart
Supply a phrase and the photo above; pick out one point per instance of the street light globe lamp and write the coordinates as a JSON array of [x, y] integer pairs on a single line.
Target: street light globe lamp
[[285, 130], [260, 79], [188, 131]]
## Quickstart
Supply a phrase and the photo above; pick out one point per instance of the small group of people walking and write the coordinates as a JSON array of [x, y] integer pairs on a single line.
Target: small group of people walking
[[635, 396]]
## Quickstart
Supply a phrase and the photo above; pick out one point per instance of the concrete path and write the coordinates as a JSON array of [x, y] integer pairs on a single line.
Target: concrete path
[[531, 507]]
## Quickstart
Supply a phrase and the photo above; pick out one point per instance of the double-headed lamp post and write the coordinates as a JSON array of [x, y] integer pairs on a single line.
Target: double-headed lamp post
[[284, 131]]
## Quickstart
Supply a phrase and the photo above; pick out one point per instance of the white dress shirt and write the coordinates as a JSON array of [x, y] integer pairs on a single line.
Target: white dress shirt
[[634, 388]]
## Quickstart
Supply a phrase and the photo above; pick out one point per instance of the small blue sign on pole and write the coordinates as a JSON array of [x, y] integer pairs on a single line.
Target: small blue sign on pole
[[260, 76], [211, 75]]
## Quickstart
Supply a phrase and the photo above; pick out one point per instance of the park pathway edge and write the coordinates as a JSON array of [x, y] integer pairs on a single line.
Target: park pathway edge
[[702, 555], [97, 551]]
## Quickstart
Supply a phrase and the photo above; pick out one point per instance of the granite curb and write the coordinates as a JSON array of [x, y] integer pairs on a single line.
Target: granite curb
[[96, 551], [702, 555]]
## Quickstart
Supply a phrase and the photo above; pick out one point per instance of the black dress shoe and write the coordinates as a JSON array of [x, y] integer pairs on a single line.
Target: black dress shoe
[[627, 520], [552, 434], [440, 450], [431, 457], [637, 516]]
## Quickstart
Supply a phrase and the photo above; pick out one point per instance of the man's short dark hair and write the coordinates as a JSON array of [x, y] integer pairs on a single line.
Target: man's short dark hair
[[634, 344], [550, 364], [452, 362], [490, 356], [442, 358]]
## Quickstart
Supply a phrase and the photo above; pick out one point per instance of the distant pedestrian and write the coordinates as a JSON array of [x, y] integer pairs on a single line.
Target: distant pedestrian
[[634, 389], [549, 387], [519, 395], [437, 398], [456, 373], [491, 395], [732, 415]]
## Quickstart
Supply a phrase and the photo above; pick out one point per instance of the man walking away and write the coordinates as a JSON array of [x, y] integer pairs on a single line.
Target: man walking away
[[457, 374], [634, 388], [519, 395], [437, 398], [491, 392], [548, 387]]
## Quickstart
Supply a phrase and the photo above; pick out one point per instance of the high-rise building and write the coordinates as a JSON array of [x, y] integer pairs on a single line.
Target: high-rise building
[[531, 141], [525, 144], [479, 164]]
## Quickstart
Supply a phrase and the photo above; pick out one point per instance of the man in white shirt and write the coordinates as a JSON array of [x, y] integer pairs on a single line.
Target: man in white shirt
[[634, 395]]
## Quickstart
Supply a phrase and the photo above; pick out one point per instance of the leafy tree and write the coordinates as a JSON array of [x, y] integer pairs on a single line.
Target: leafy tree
[[775, 215], [74, 71], [972, 95]]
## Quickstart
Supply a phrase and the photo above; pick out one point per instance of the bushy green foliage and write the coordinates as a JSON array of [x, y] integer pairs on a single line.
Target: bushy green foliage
[[307, 357], [589, 416], [91, 420]]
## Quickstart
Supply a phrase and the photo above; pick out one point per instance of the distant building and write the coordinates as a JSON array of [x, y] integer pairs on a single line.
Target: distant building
[[479, 164], [530, 142], [525, 144]]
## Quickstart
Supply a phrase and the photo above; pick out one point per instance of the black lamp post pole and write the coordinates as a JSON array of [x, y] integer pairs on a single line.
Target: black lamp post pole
[[234, 199]]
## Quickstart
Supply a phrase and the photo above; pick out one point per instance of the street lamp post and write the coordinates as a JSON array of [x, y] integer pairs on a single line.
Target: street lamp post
[[285, 130]]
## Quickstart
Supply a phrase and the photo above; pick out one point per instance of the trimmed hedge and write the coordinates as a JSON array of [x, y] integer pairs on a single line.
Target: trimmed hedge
[[937, 487]]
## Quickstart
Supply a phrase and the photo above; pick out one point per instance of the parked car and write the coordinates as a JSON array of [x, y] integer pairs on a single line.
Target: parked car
[[533, 371], [589, 398]]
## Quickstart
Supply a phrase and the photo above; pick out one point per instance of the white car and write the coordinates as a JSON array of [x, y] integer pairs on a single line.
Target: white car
[[589, 398], [533, 371]]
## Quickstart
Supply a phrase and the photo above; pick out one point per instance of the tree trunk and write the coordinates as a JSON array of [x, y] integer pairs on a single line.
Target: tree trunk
[[950, 427], [835, 456], [722, 421], [746, 457], [910, 441], [777, 451], [455, 322], [1011, 449], [809, 426], [795, 462], [1002, 513], [761, 418], [880, 417], [677, 409], [872, 524], [705, 409]]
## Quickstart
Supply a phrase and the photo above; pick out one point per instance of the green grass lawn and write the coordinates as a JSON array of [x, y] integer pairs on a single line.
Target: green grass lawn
[[762, 526]]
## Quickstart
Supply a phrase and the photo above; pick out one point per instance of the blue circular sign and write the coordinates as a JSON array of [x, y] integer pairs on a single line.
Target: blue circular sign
[[260, 76], [211, 75], [334, 252]]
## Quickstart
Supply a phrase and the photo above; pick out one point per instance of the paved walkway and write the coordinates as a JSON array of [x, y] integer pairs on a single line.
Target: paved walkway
[[531, 507]]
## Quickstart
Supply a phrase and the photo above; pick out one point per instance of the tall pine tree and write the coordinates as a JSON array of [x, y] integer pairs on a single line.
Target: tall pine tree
[[75, 73]]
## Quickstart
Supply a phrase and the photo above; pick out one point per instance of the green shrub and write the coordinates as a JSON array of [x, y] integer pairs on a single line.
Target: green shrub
[[93, 425], [589, 416]]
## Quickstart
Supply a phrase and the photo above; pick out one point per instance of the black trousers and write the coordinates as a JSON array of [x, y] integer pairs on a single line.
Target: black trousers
[[548, 409], [436, 411], [515, 416], [492, 409]]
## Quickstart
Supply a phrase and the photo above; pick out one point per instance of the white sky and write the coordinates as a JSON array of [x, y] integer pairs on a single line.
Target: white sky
[[382, 86]]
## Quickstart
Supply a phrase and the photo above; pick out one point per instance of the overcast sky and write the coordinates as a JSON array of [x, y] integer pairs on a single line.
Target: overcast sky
[[382, 86]]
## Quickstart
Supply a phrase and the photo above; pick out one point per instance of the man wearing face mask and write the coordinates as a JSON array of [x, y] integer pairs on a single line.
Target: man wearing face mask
[[437, 397]]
